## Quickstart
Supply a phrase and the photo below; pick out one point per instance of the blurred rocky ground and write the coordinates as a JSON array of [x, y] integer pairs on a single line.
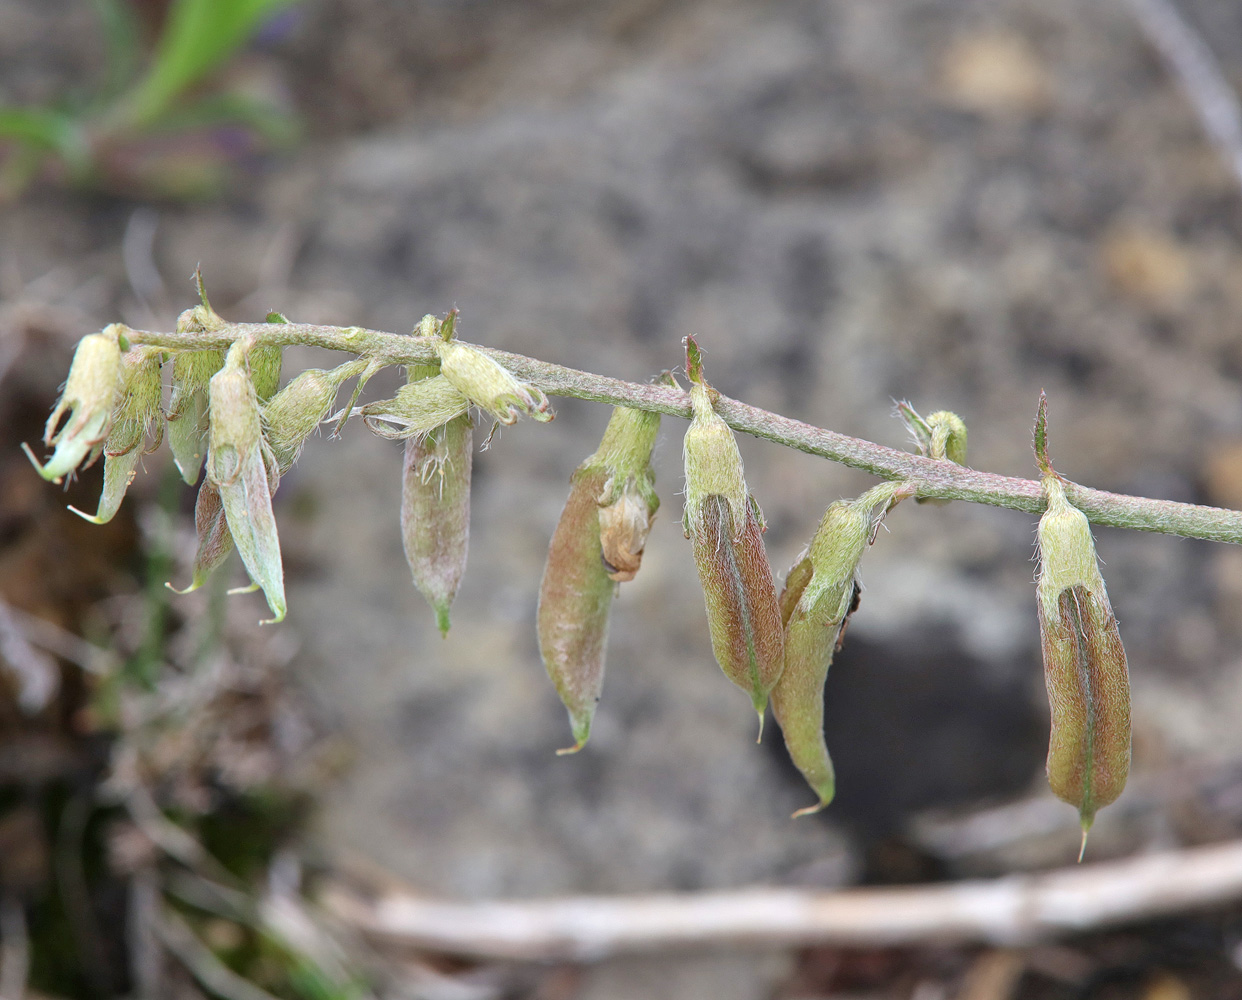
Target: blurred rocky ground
[[952, 202]]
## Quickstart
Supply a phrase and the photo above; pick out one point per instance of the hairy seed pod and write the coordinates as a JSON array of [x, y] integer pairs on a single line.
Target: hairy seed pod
[[265, 370], [88, 398], [214, 542], [722, 521], [187, 409], [815, 604], [192, 371], [821, 592], [137, 413], [1084, 663], [598, 542], [435, 506], [293, 414], [575, 599], [237, 469]]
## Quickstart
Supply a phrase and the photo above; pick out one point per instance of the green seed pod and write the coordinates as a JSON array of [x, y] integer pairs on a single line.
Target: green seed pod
[[192, 370], [293, 414], [598, 542], [236, 467], [418, 408], [137, 413], [487, 384], [722, 521], [265, 370], [435, 506], [1084, 663], [821, 592], [89, 398], [187, 409]]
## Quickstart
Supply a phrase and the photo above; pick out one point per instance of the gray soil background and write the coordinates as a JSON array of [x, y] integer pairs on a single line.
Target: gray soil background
[[955, 203]]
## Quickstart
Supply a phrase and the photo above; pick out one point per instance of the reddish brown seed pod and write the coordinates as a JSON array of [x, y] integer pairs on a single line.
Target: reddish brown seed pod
[[740, 595], [598, 543], [723, 522], [1084, 663], [575, 599]]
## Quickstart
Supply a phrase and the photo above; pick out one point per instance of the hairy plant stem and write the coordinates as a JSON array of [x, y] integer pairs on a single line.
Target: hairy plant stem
[[930, 478]]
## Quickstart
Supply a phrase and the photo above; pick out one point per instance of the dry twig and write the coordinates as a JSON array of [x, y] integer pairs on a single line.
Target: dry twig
[[1010, 910], [1192, 62]]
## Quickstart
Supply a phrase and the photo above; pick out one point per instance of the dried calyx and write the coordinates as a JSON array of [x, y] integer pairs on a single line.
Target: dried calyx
[[85, 405], [137, 427], [485, 382]]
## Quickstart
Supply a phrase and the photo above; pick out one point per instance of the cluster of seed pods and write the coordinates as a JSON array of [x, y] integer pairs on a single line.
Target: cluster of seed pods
[[778, 649], [227, 415]]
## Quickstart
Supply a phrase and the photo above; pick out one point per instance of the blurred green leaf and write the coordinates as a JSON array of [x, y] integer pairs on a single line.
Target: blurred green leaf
[[47, 129], [198, 37]]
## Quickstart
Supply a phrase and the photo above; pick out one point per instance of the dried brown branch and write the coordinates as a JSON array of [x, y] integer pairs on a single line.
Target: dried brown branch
[[1010, 910]]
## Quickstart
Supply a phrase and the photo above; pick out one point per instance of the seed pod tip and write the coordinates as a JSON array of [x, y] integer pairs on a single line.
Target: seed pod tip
[[442, 618], [1041, 436], [812, 810], [94, 519]]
